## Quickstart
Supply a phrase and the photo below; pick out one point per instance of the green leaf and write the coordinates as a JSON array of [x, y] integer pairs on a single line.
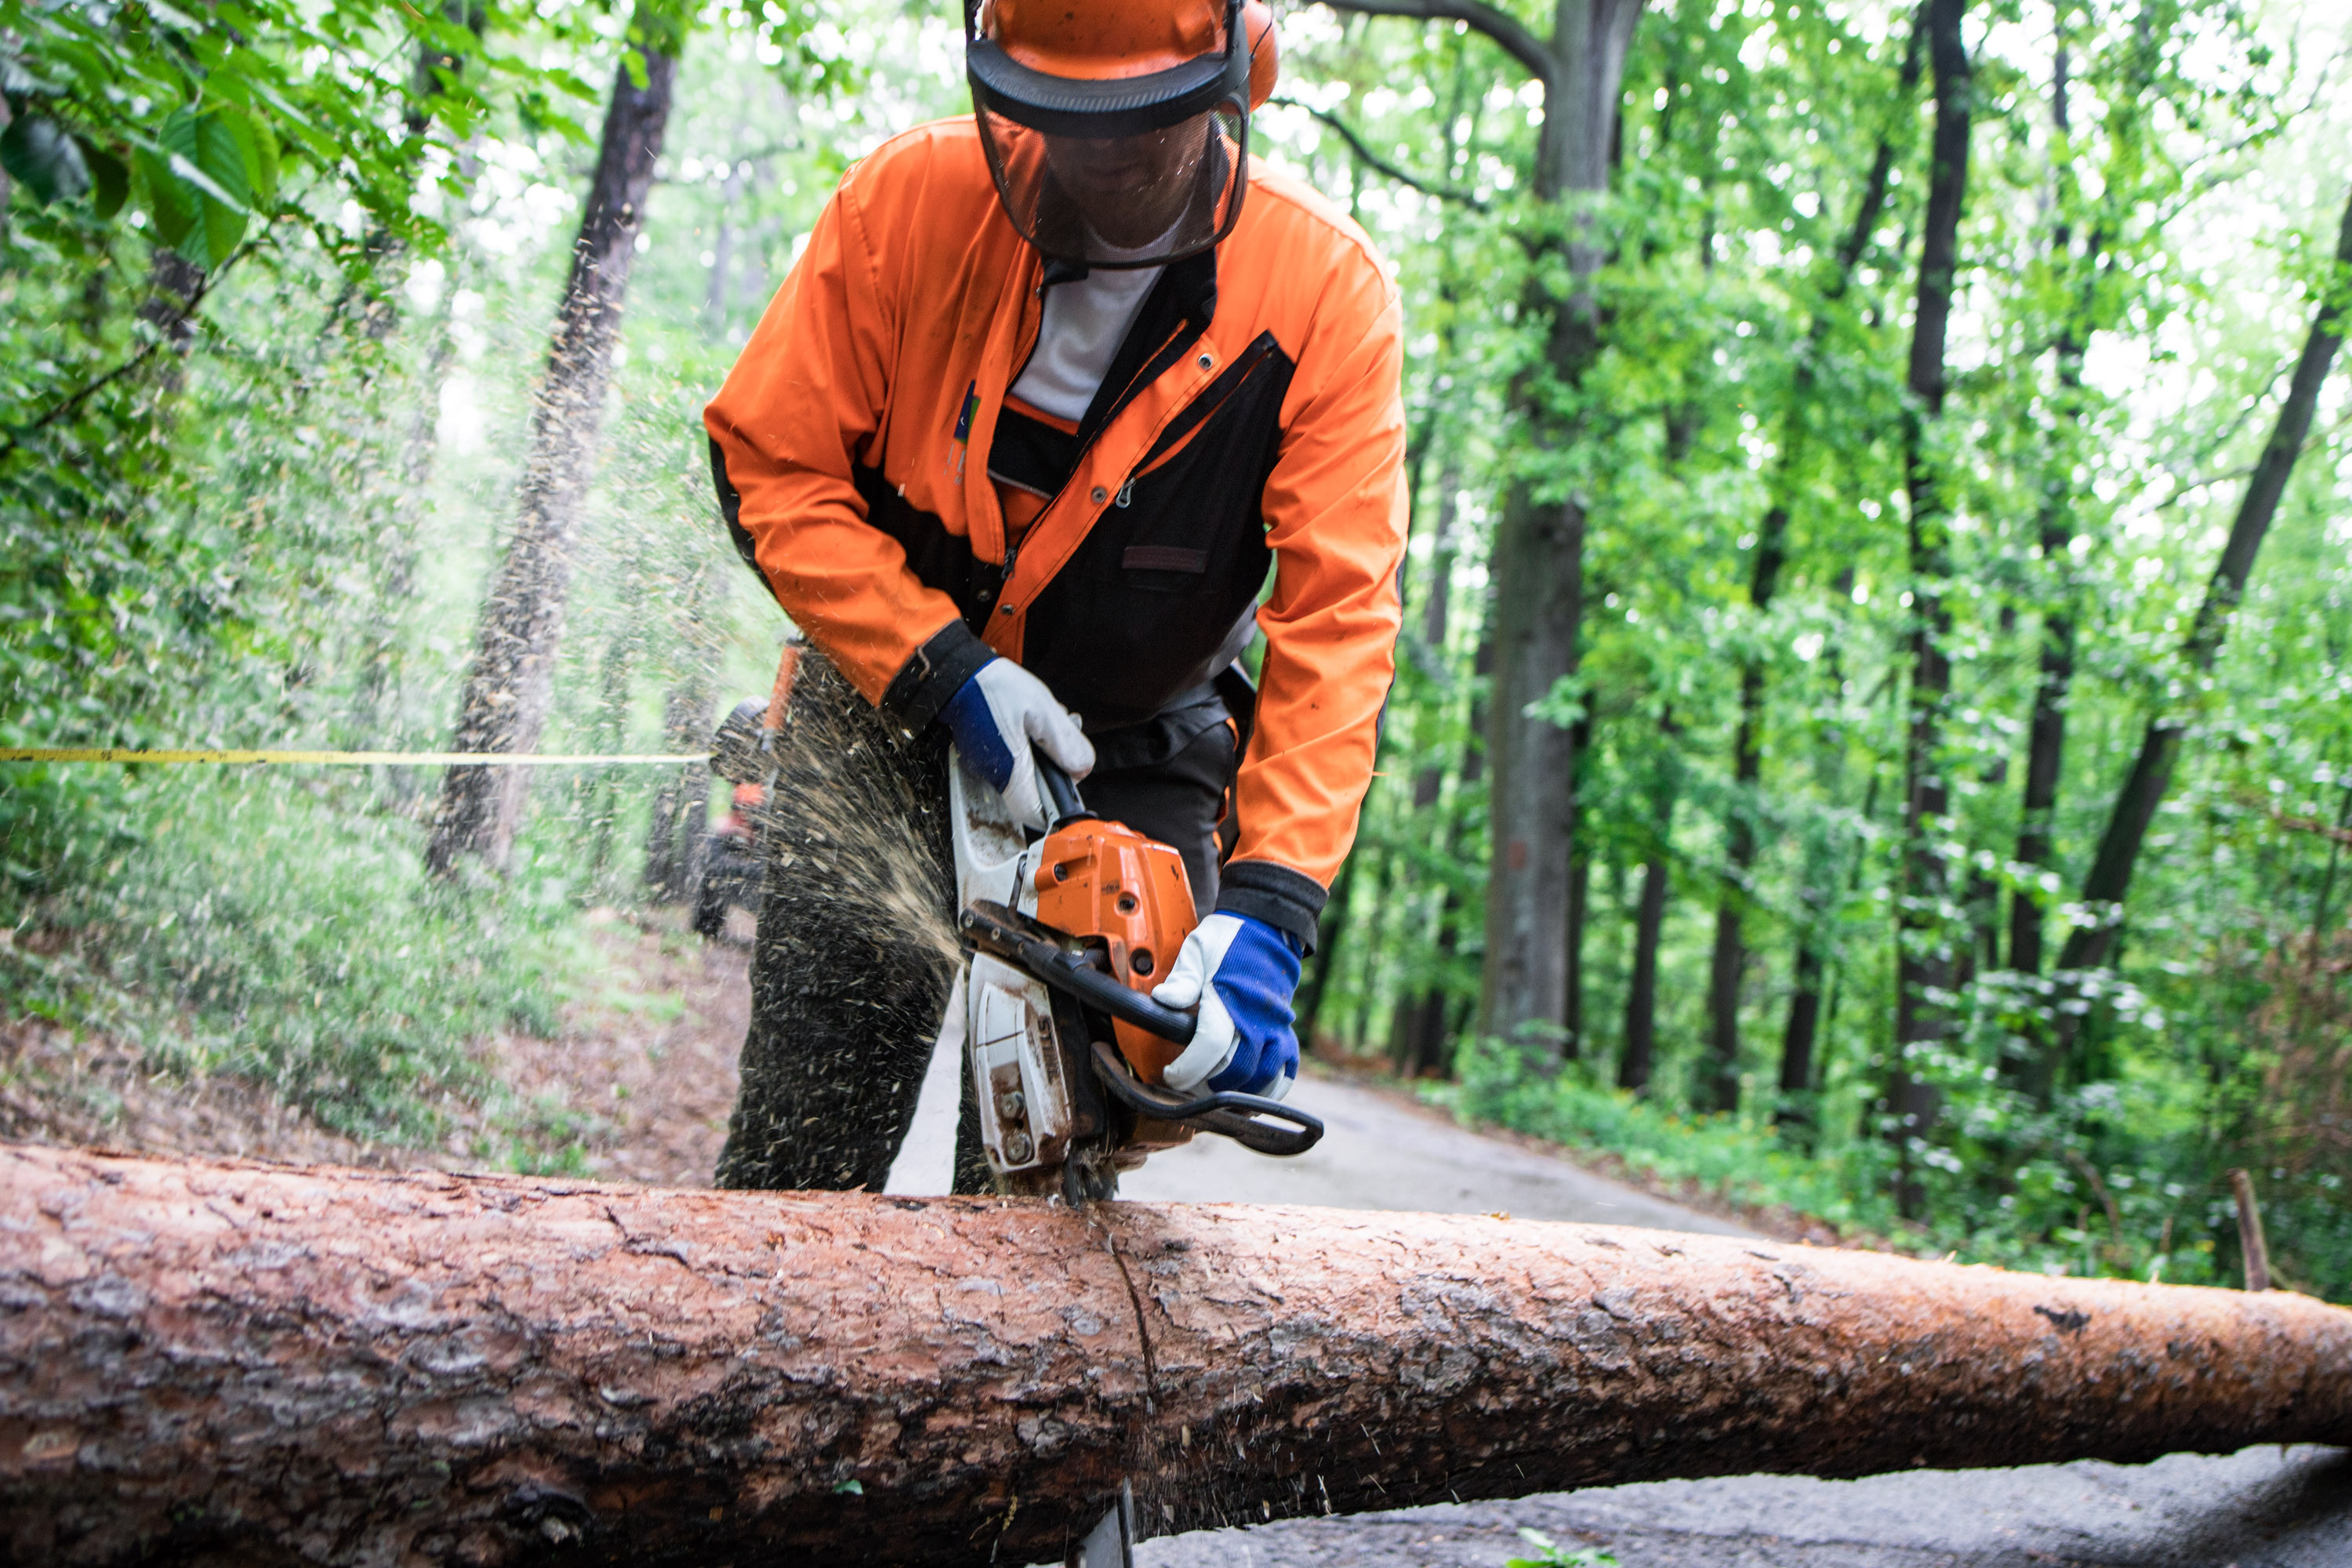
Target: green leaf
[[212, 156], [1558, 1556], [37, 152], [110, 180], [849, 1488], [171, 202]]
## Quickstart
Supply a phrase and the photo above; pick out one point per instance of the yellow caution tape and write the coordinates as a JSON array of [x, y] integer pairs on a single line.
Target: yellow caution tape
[[341, 759]]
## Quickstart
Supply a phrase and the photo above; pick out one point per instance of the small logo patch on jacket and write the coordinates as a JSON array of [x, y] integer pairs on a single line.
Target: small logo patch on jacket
[[1163, 558]]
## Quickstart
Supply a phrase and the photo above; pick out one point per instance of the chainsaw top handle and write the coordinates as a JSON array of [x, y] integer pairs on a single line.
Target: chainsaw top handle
[[1061, 790]]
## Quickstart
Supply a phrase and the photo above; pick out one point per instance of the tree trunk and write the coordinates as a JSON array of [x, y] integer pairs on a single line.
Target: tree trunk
[[602, 786], [1639, 1059], [213, 1362], [1638, 1062], [1925, 968], [1580, 914], [2092, 947], [2046, 736], [1330, 927], [1730, 959], [682, 808], [1539, 549], [1798, 1035], [1817, 898], [1434, 1016], [1410, 1049], [510, 684]]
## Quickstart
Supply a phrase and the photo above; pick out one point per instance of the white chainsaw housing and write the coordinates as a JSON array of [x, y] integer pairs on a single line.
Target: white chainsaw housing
[[1022, 1095]]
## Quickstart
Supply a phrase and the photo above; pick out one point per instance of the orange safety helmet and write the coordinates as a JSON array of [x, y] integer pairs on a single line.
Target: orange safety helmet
[[1118, 131]]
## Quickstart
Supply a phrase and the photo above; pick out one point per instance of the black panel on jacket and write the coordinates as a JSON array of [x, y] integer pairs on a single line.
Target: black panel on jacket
[[1031, 454], [1131, 621], [731, 507], [939, 559]]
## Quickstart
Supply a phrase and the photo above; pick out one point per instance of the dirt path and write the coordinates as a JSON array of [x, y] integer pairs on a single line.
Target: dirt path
[[642, 1077]]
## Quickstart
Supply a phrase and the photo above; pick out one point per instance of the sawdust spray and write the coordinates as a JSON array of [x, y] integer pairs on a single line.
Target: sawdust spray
[[856, 950]]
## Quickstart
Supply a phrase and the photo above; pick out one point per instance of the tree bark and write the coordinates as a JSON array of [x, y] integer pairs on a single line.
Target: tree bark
[[1729, 961], [1580, 914], [1730, 958], [213, 1362], [510, 684], [2092, 947], [1925, 967], [1639, 1059], [1637, 1063]]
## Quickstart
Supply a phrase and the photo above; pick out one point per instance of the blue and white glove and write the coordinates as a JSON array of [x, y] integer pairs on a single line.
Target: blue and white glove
[[997, 717], [1241, 972]]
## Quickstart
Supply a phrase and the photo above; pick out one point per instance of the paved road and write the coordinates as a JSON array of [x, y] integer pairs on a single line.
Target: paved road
[[1379, 1151], [1382, 1152], [2260, 1508]]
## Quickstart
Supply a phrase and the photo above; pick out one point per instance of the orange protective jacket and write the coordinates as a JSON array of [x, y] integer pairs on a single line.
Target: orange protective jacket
[[1250, 422]]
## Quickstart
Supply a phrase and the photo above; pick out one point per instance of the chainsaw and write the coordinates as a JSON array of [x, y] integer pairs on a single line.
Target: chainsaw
[[1066, 933]]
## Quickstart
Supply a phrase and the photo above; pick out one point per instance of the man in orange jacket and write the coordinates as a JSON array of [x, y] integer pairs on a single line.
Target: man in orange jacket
[[1064, 403]]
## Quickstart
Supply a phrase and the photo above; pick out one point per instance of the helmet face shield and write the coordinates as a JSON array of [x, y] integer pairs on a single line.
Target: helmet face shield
[[1124, 172], [1141, 200]]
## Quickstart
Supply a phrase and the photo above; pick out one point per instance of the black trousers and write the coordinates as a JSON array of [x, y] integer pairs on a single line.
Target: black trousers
[[857, 953]]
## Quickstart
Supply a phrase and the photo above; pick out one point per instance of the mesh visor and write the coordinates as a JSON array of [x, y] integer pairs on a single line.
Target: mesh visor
[[1142, 199], [1123, 172]]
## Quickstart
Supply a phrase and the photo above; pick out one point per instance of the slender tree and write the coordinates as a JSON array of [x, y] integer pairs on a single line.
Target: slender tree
[[1924, 961], [2057, 522], [1410, 1049], [1637, 1063], [1538, 555], [2092, 947], [510, 684], [1730, 955]]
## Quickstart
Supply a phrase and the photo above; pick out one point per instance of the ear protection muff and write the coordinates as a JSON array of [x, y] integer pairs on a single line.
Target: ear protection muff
[[1264, 51]]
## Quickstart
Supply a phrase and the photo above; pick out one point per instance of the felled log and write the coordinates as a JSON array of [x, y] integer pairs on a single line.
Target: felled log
[[222, 1361]]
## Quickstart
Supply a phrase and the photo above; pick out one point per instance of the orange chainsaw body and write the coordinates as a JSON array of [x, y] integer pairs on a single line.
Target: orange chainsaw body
[[1104, 879]]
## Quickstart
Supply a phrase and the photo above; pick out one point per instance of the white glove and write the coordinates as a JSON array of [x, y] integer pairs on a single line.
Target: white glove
[[997, 717]]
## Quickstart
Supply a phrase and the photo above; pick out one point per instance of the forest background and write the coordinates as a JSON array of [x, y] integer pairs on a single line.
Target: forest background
[[1841, 575]]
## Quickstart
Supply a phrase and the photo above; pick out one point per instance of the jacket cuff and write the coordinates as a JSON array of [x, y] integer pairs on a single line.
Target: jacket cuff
[[1290, 901], [936, 672]]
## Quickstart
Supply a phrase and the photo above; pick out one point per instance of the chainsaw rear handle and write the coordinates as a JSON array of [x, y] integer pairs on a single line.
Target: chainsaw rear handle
[[1061, 791], [1253, 1120]]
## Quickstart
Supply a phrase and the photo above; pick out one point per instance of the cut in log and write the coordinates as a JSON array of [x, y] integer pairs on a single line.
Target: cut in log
[[210, 1361]]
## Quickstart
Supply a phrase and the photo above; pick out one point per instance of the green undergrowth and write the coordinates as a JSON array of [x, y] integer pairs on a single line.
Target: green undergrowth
[[1737, 1162], [280, 927], [2113, 1187]]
